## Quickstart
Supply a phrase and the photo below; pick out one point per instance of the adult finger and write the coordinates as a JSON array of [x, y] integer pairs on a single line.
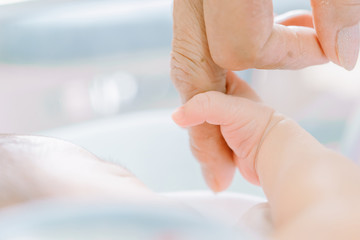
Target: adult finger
[[214, 155], [192, 68], [193, 71], [337, 25], [241, 35]]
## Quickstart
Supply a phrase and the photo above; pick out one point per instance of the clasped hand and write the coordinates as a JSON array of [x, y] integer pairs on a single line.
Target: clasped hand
[[212, 37]]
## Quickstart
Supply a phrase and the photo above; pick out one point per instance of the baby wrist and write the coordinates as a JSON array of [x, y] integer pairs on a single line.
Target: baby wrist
[[276, 118]]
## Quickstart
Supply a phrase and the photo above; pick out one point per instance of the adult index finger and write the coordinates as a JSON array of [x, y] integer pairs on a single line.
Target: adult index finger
[[193, 71]]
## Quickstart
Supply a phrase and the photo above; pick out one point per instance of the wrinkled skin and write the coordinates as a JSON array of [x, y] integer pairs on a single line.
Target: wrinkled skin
[[242, 118], [212, 37], [193, 71], [313, 192]]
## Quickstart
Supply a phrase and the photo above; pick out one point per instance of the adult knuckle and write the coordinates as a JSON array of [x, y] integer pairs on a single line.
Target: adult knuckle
[[235, 57], [187, 46], [185, 71]]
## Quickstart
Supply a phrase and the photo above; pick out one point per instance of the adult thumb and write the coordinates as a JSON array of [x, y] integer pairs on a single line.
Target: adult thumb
[[337, 26]]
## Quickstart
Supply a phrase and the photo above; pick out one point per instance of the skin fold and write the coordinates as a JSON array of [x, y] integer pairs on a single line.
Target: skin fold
[[240, 127], [313, 192], [195, 68], [212, 37]]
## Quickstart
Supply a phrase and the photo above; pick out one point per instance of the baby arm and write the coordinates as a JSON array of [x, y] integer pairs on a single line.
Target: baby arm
[[313, 192]]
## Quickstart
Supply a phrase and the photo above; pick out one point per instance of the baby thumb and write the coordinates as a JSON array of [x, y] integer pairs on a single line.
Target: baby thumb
[[212, 107]]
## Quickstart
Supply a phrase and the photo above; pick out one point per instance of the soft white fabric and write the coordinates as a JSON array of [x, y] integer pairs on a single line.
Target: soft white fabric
[[232, 209]]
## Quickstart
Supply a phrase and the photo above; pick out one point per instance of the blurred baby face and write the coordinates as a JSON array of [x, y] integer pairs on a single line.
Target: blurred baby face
[[34, 168], [39, 168]]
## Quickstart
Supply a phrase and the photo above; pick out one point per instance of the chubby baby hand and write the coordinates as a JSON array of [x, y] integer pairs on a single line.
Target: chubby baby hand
[[243, 120]]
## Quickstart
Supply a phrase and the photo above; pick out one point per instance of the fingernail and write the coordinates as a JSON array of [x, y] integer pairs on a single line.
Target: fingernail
[[348, 40]]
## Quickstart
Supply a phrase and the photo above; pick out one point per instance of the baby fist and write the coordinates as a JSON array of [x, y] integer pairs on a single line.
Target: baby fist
[[243, 123]]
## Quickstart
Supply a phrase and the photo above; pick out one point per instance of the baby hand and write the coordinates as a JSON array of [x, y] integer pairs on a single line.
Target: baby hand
[[242, 118]]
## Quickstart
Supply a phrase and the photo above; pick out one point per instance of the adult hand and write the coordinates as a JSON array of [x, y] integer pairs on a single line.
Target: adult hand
[[210, 36], [242, 34]]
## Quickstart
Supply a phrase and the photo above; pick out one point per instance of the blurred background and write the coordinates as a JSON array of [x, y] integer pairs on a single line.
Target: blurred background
[[63, 62], [96, 72], [67, 61]]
